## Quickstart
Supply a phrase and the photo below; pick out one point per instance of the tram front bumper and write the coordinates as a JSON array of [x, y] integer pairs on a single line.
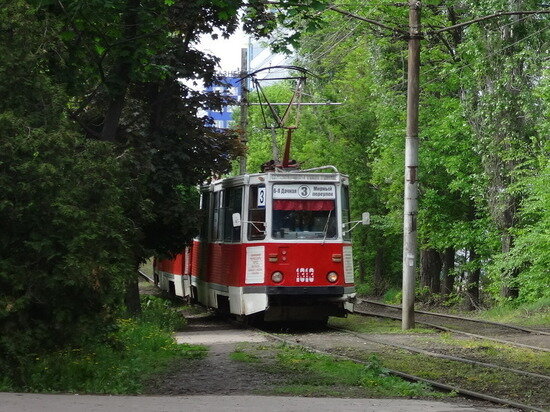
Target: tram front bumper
[[311, 302], [305, 290]]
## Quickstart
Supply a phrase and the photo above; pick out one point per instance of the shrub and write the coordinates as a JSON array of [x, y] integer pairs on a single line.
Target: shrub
[[162, 313], [363, 289], [134, 351], [393, 296]]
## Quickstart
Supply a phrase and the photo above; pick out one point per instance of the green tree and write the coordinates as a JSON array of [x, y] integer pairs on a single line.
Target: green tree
[[102, 146], [64, 234], [481, 119], [505, 114]]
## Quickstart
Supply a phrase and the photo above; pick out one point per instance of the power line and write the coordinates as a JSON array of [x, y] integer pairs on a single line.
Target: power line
[[491, 54]]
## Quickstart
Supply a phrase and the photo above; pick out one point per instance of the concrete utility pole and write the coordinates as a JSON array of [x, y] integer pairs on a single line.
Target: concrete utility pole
[[411, 167], [244, 108]]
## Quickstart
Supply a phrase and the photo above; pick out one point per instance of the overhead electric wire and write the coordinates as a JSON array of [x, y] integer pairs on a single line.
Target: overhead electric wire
[[330, 39], [349, 19], [496, 51], [438, 78], [344, 37], [329, 44], [456, 69]]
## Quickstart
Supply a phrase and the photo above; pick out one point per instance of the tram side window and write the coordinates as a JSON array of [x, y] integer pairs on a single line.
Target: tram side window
[[256, 213], [217, 218], [232, 204], [346, 213]]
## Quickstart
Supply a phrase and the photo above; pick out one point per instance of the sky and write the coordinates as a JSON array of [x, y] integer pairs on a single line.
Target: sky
[[228, 50]]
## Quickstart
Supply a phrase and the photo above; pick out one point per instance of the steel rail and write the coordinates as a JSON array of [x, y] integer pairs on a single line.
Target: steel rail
[[141, 273], [413, 378], [445, 315], [445, 329], [441, 355]]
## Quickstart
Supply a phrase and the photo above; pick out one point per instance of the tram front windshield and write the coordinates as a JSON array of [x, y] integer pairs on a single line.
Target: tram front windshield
[[304, 219]]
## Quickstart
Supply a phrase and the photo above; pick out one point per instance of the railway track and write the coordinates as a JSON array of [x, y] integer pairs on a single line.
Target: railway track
[[145, 276], [445, 386], [475, 328], [460, 325], [407, 376]]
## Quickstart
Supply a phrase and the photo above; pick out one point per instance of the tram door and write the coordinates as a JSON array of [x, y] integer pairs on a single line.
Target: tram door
[[204, 246]]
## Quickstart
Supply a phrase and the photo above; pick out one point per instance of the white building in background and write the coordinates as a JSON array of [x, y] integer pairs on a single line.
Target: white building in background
[[259, 56]]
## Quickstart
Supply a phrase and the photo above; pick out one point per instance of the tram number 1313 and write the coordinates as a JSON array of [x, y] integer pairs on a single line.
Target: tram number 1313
[[305, 275]]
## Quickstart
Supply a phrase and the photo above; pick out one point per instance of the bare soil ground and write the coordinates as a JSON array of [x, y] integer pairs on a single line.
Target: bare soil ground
[[218, 373]]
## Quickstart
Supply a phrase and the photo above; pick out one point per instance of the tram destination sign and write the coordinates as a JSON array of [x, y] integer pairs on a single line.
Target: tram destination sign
[[304, 191]]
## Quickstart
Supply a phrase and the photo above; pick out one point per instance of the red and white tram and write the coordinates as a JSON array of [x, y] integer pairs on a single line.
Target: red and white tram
[[276, 244]]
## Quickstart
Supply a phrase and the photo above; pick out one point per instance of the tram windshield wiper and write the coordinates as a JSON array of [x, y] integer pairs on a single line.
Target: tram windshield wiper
[[325, 230]]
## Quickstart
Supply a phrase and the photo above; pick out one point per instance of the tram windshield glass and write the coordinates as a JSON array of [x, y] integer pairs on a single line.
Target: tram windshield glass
[[304, 219]]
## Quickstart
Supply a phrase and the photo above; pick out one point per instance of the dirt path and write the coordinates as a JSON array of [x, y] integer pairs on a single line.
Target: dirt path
[[218, 373]]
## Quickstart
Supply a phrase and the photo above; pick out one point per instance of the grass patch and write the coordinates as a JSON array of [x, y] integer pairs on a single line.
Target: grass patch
[[323, 372], [148, 268], [161, 312], [497, 382], [368, 324], [304, 373], [521, 358], [242, 356], [529, 314], [118, 364]]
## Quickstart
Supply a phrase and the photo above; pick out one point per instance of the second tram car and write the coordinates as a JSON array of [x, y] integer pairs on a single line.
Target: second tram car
[[274, 244]]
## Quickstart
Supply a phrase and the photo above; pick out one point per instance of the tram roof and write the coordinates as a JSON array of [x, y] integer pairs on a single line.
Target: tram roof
[[308, 175]]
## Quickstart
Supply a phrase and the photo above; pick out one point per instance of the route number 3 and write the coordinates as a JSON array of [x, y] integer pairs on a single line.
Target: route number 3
[[261, 197]]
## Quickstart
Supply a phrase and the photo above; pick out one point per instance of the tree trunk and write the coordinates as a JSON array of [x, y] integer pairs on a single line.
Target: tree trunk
[[508, 290], [430, 269], [131, 297], [117, 83], [362, 275], [379, 272], [472, 287], [447, 271], [111, 120]]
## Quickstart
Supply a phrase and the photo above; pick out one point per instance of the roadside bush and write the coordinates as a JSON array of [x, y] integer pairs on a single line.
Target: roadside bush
[[161, 313], [118, 365], [393, 296], [363, 289], [65, 243], [530, 254]]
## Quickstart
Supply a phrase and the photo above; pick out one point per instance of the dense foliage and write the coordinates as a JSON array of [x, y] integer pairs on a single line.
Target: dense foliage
[[102, 144], [483, 213], [101, 147], [120, 362]]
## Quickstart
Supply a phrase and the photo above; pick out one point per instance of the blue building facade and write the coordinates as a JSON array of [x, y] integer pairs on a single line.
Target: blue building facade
[[224, 119]]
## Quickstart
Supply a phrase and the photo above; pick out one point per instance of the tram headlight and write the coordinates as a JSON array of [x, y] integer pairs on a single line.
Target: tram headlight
[[277, 277], [332, 277]]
